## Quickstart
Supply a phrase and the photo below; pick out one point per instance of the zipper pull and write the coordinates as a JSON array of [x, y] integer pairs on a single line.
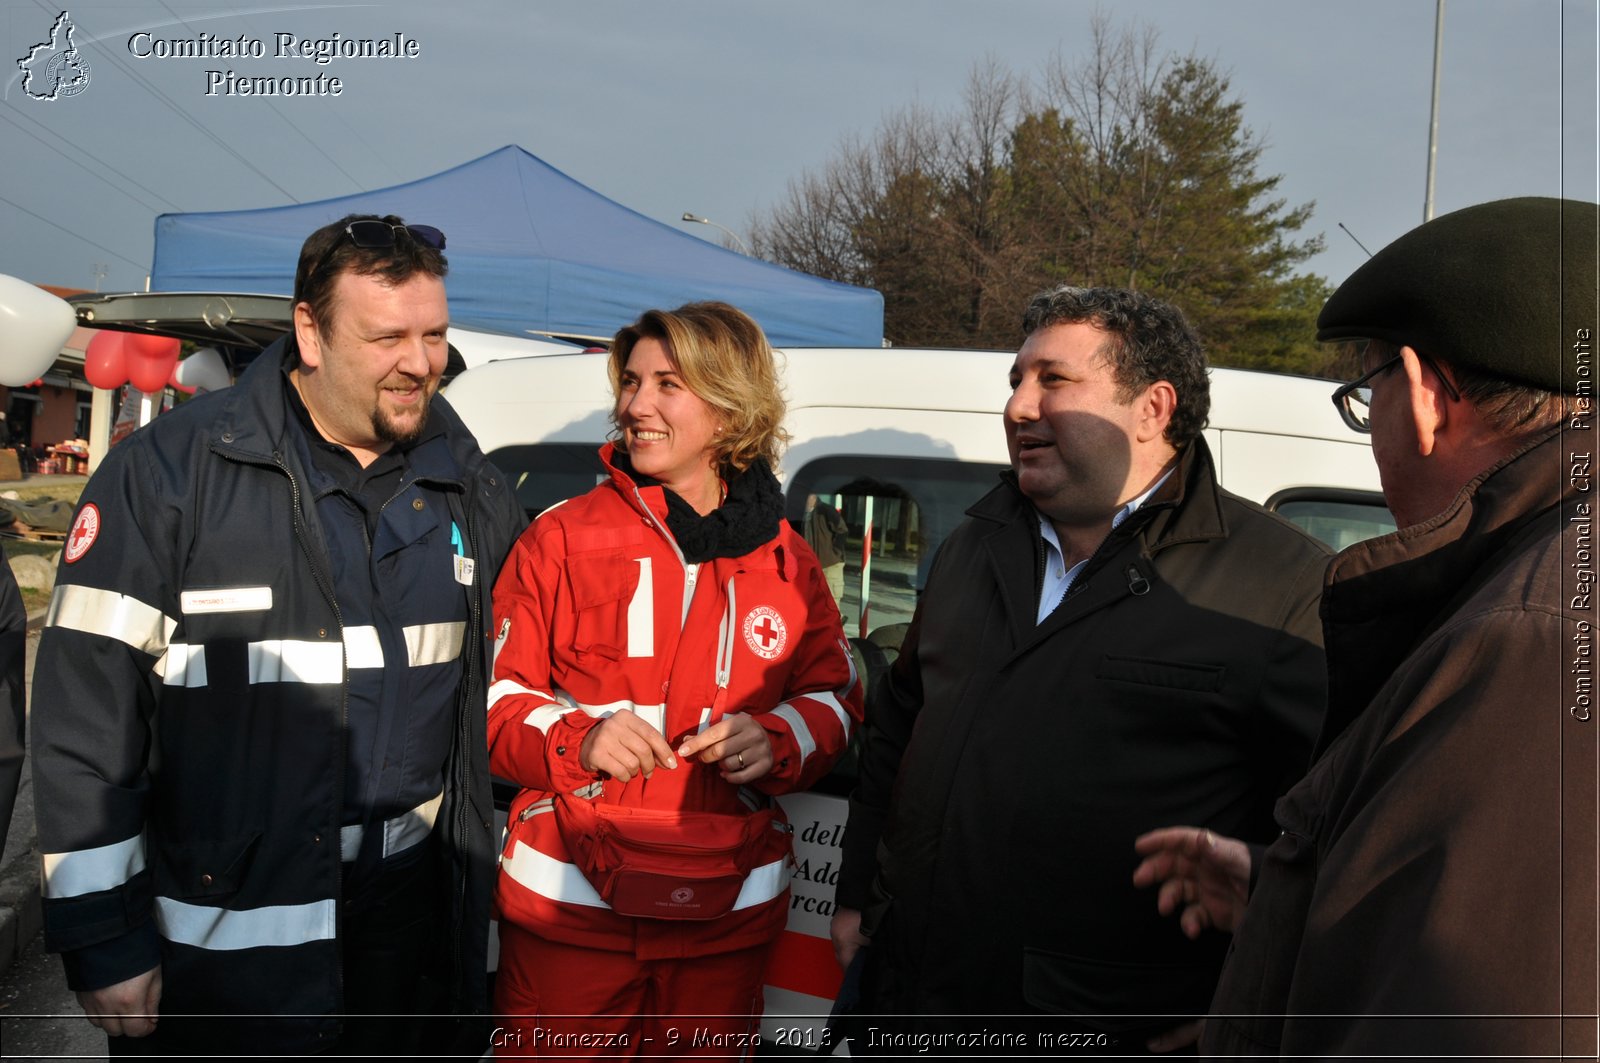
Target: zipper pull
[[1136, 582]]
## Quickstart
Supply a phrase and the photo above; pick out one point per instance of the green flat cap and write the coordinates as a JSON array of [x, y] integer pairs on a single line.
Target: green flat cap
[[1506, 287]]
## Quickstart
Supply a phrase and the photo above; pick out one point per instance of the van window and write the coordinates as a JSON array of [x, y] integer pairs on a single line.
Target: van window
[[546, 473], [1338, 518], [897, 511]]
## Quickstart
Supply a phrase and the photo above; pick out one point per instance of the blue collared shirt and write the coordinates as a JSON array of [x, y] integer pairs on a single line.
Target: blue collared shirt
[[1058, 577]]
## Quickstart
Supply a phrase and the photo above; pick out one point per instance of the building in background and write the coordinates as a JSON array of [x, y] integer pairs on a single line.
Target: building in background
[[52, 410]]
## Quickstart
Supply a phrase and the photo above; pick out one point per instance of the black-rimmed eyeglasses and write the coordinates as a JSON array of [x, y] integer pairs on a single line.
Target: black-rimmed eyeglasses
[[1354, 400]]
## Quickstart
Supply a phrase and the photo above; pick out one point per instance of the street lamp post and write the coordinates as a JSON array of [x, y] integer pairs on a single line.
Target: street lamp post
[[1433, 115], [743, 250]]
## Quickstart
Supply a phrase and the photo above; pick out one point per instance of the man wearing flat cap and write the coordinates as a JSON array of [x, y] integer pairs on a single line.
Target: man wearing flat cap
[[1433, 891]]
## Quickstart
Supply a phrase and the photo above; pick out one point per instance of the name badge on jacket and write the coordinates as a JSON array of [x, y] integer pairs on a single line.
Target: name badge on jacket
[[464, 564]]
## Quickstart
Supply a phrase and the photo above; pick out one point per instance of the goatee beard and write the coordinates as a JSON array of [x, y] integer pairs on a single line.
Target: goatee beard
[[400, 433]]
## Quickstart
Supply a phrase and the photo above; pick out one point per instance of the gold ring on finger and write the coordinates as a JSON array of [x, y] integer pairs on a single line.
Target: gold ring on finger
[[741, 758]]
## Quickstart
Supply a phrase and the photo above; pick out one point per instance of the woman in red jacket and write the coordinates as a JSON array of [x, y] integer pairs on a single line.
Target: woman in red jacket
[[668, 658]]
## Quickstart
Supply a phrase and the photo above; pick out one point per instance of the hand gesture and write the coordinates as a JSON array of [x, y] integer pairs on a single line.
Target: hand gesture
[[738, 742], [1203, 876], [622, 746]]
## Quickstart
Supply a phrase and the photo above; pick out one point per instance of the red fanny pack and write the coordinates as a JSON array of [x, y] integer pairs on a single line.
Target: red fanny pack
[[654, 864]]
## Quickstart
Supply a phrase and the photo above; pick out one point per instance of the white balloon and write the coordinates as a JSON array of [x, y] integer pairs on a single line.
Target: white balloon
[[33, 326], [204, 370]]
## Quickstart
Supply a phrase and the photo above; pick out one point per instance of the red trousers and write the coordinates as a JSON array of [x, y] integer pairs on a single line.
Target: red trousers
[[559, 1001]]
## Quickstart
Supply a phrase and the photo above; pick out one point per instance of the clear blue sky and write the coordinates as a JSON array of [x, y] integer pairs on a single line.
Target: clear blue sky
[[713, 106]]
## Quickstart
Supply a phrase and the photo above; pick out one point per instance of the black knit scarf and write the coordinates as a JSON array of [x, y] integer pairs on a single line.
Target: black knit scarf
[[747, 518]]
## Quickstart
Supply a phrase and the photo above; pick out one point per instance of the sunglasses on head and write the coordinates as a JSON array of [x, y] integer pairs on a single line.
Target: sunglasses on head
[[373, 233]]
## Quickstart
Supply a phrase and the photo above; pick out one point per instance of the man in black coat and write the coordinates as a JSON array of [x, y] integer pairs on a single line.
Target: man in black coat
[[1110, 641]]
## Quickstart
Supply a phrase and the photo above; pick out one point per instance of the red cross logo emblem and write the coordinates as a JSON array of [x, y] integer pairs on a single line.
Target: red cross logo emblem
[[84, 531], [765, 632]]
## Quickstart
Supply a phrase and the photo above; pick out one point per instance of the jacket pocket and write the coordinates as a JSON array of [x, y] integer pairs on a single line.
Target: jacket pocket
[[602, 587], [206, 868], [1103, 992], [1174, 675]]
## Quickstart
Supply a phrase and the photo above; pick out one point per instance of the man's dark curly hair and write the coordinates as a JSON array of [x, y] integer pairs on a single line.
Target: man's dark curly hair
[[329, 252], [1146, 340]]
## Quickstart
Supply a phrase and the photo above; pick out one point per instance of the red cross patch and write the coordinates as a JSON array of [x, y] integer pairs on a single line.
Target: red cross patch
[[765, 632], [84, 532]]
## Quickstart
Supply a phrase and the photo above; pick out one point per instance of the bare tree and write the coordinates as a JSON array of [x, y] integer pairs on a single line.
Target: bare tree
[[908, 212], [1125, 167]]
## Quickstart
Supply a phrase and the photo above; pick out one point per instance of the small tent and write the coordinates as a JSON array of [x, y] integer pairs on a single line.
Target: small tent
[[530, 250]]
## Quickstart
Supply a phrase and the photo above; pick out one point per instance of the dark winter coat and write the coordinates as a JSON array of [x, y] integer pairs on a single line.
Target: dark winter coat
[[189, 710], [1009, 765]]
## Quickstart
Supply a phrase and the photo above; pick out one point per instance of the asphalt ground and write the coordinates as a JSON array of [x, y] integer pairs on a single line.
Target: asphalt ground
[[39, 1015]]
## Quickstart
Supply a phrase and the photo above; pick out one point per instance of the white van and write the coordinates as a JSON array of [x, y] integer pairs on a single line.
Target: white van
[[901, 442], [242, 325]]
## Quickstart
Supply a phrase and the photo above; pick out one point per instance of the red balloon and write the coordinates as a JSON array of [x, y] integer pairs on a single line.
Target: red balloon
[[105, 361], [150, 360]]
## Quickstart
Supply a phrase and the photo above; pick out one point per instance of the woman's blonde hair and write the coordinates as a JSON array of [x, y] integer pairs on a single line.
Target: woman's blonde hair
[[725, 360]]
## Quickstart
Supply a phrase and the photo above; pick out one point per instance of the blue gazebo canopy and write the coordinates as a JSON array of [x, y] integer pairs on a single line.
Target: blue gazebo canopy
[[530, 249]]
